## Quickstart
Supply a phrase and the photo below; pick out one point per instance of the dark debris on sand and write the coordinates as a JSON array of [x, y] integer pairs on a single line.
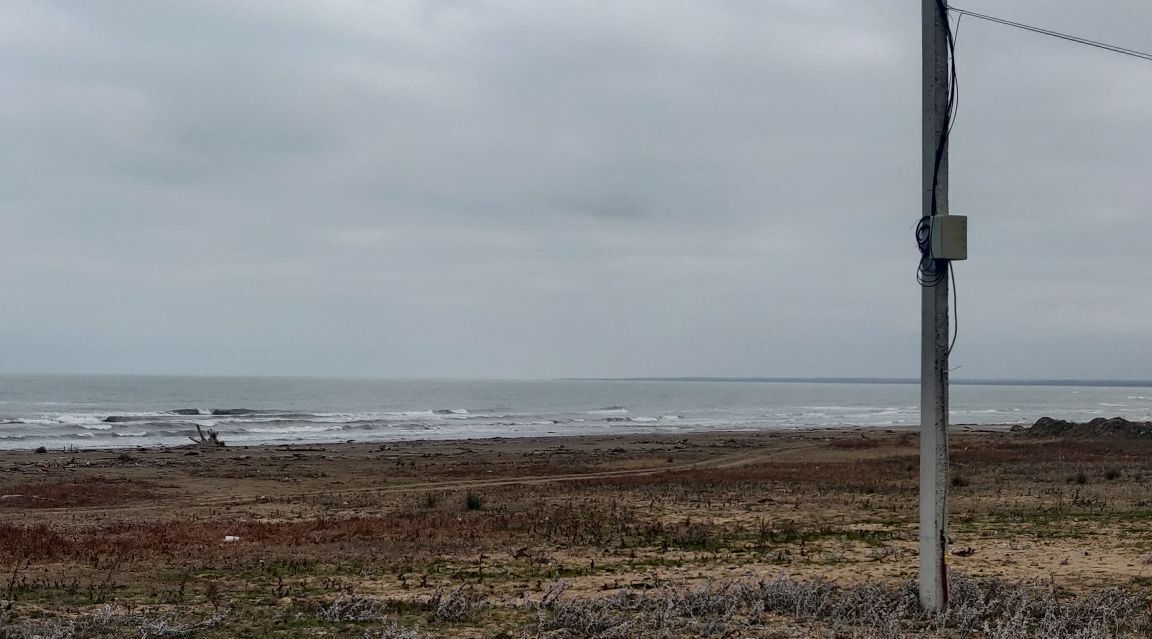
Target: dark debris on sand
[[1099, 427]]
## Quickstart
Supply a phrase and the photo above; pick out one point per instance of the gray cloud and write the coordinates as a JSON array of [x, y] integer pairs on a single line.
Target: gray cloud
[[508, 188]]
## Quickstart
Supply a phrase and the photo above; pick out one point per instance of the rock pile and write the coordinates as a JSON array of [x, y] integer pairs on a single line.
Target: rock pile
[[1099, 427]]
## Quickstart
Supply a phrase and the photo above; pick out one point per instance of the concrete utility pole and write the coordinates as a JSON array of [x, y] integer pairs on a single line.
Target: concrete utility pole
[[934, 323]]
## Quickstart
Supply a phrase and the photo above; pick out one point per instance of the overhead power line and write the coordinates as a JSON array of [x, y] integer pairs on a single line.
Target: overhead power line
[[1055, 34]]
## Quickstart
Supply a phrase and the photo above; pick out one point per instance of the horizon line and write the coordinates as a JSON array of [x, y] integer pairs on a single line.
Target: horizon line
[[828, 379], [995, 381]]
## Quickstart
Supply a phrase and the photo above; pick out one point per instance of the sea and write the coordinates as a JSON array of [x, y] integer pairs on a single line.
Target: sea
[[80, 412]]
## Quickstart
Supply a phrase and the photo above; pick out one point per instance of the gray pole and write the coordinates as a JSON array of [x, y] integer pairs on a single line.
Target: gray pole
[[934, 325]]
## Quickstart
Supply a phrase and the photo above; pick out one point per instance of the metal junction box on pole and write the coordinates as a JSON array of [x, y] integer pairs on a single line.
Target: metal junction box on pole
[[950, 237]]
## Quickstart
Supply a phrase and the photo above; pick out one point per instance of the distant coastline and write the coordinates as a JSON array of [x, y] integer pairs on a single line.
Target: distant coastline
[[1093, 383], [1111, 383]]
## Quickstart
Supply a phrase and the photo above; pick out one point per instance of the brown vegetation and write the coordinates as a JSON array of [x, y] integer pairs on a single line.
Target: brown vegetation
[[494, 522], [90, 491]]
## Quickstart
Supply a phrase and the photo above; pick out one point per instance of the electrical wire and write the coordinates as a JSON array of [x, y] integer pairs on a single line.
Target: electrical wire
[[930, 272], [1055, 34], [955, 310]]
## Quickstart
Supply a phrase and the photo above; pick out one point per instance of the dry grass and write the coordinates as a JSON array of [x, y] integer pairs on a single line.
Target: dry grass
[[98, 490], [168, 539], [116, 622], [410, 544], [991, 609], [986, 608]]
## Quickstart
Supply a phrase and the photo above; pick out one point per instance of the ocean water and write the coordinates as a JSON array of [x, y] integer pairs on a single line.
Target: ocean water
[[113, 412]]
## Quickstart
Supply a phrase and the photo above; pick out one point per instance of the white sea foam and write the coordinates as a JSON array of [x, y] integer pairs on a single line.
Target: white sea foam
[[79, 420], [343, 418], [292, 429], [66, 420], [406, 414], [382, 414], [351, 418]]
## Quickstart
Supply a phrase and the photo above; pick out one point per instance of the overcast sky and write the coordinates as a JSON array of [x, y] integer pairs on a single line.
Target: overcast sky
[[517, 188]]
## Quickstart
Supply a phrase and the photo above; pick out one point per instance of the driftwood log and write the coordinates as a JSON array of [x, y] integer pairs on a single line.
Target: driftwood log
[[211, 438]]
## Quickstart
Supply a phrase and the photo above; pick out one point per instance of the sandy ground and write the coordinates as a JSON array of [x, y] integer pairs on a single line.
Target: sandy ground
[[510, 516]]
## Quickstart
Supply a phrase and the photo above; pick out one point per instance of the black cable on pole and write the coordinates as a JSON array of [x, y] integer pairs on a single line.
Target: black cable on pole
[[929, 272], [932, 271], [955, 309], [1055, 34]]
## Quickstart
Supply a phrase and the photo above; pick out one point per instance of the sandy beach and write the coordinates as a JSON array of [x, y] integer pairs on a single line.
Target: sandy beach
[[265, 537]]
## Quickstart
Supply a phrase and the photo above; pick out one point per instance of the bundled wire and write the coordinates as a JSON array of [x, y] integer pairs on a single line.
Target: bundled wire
[[932, 271], [929, 272]]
